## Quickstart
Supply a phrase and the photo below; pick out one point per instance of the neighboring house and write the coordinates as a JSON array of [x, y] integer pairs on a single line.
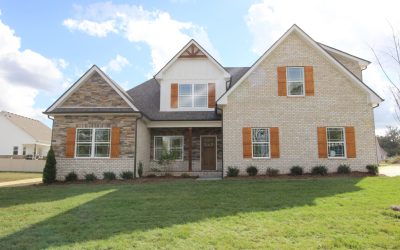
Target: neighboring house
[[380, 152], [23, 136], [301, 103]]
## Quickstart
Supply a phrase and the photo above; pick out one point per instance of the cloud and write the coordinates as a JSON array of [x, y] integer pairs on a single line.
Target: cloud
[[157, 29], [116, 64]]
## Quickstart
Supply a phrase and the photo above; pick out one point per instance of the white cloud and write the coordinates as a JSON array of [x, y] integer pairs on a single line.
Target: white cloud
[[99, 29], [352, 26], [116, 64], [157, 29]]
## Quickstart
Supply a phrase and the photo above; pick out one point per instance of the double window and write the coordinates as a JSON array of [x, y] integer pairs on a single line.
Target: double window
[[193, 95], [171, 145], [93, 142], [260, 142], [295, 81], [336, 142]]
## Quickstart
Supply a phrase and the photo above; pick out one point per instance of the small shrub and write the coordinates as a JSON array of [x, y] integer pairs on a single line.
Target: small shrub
[[252, 170], [151, 175], [372, 169], [296, 170], [109, 176], [232, 172], [343, 169], [140, 169], [72, 176], [49, 171], [128, 175], [272, 172], [319, 170], [185, 175], [90, 177]]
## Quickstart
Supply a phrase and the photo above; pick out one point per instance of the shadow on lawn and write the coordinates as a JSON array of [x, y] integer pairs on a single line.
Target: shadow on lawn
[[148, 206]]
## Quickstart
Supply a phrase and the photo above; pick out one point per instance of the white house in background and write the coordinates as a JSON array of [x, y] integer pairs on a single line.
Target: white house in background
[[21, 135]]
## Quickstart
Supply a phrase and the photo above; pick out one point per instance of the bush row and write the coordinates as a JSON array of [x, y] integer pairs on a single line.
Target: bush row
[[72, 176]]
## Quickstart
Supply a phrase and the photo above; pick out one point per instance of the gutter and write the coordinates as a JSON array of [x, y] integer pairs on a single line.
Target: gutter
[[134, 164]]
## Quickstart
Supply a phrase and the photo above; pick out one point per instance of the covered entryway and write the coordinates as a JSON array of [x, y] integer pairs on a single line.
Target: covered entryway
[[208, 152]]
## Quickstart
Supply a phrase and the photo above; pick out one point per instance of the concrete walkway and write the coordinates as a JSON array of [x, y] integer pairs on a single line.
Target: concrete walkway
[[391, 170], [25, 182]]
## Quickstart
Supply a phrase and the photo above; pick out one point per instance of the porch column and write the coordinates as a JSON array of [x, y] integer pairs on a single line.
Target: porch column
[[190, 148]]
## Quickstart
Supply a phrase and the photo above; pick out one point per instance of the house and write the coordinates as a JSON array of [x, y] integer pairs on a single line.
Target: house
[[23, 136], [301, 103]]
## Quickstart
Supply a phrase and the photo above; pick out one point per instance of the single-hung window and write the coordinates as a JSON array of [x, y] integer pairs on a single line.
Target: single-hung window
[[336, 142], [15, 150], [93, 142], [295, 81], [260, 142], [193, 95], [164, 145]]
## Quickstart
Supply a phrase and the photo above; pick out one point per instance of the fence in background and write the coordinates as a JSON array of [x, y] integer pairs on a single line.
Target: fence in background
[[21, 165]]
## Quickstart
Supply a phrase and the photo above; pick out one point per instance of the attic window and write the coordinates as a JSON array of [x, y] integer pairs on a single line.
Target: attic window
[[295, 81], [193, 95]]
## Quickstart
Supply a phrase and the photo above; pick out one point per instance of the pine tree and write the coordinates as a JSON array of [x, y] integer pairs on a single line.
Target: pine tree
[[49, 171]]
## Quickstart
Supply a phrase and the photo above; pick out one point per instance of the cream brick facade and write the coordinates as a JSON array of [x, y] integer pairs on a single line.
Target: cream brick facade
[[337, 102]]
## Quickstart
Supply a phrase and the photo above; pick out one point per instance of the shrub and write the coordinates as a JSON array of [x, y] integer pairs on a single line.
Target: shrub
[[343, 169], [90, 177], [296, 170], [140, 169], [151, 175], [185, 175], [272, 172], [252, 170], [127, 175], [109, 176], [49, 171], [232, 172], [71, 176], [319, 170], [372, 169]]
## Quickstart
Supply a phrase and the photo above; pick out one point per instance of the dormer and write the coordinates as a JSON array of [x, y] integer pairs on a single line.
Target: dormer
[[191, 81]]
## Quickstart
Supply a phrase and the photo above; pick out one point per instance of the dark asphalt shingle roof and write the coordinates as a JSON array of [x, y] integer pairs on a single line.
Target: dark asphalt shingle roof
[[91, 110]]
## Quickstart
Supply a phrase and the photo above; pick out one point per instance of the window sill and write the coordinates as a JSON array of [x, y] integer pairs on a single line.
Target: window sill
[[260, 158], [337, 158]]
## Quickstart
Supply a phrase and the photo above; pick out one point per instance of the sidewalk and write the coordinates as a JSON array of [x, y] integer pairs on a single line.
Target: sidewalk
[[391, 170], [25, 182]]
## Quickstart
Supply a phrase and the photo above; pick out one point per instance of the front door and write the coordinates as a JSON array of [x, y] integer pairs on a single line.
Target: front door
[[208, 153]]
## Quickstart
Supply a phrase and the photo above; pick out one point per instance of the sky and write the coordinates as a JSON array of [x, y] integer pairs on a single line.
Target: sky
[[45, 45]]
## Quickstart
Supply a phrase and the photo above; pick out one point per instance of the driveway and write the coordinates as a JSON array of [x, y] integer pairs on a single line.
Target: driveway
[[26, 182], [391, 170]]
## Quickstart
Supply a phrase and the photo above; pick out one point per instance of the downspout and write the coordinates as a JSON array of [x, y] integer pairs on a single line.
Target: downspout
[[222, 139], [52, 130], [136, 126]]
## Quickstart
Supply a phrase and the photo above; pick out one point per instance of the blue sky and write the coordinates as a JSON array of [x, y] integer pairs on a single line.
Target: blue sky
[[50, 44]]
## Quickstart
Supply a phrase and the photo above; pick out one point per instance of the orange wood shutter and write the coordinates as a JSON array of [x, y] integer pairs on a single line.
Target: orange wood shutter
[[322, 146], [174, 95], [115, 142], [282, 81], [274, 140], [211, 95], [350, 142], [70, 143], [309, 80], [247, 150]]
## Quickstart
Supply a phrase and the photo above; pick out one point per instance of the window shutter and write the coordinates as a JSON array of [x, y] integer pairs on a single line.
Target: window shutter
[[350, 142], [282, 81], [309, 80], [247, 150], [70, 143], [274, 141], [211, 95], [322, 146], [174, 95], [115, 142]]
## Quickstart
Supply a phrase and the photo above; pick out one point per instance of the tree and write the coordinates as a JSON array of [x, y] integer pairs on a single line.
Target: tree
[[49, 171], [390, 142]]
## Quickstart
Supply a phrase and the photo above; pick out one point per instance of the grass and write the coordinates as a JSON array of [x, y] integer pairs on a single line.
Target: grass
[[14, 176], [186, 214]]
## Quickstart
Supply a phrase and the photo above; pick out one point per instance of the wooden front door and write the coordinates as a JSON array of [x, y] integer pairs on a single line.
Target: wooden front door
[[208, 153]]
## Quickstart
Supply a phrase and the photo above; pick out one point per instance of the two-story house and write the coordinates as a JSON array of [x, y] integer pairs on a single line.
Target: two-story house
[[301, 103]]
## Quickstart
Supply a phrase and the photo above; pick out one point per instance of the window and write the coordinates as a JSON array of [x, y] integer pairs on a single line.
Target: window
[[193, 95], [15, 150], [295, 81], [93, 142], [336, 142], [24, 150], [260, 142], [168, 145]]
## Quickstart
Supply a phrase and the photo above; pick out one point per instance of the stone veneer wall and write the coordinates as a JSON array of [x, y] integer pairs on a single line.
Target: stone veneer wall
[[337, 102]]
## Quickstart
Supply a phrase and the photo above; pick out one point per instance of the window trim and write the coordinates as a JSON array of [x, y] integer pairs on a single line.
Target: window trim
[[193, 96], [287, 82], [268, 143], [169, 136], [344, 144], [92, 144]]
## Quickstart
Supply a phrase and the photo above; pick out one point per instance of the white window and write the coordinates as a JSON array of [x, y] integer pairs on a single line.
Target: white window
[[260, 142], [93, 142], [295, 81], [336, 142], [193, 95], [168, 145], [15, 150]]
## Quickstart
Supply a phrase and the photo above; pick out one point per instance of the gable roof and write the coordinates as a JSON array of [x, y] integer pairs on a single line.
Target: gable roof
[[374, 98], [34, 128], [197, 51], [362, 62], [54, 108]]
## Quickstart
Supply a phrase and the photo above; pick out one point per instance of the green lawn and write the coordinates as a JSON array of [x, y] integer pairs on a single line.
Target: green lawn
[[13, 176], [186, 214]]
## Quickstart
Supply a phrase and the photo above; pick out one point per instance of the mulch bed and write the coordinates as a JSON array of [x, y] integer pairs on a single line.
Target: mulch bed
[[304, 176]]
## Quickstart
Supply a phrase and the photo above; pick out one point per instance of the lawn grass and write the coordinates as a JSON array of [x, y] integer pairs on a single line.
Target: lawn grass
[[14, 176], [187, 214]]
